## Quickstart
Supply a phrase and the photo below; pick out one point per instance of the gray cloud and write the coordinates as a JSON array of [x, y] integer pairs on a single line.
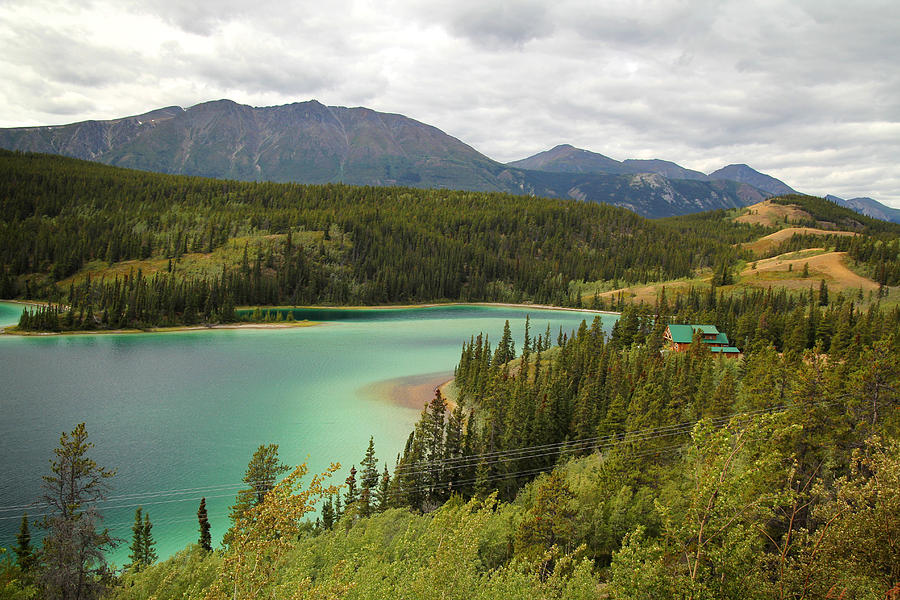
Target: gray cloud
[[805, 90]]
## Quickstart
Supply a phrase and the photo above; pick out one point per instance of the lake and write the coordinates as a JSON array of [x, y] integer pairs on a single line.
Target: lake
[[178, 415]]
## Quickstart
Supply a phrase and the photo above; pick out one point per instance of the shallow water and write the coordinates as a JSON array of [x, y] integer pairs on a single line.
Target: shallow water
[[178, 415]]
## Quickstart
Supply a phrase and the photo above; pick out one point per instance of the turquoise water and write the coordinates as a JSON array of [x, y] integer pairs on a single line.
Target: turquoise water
[[178, 415], [9, 313]]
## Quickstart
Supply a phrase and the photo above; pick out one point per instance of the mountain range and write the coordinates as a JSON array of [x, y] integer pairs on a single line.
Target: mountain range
[[309, 142], [869, 207]]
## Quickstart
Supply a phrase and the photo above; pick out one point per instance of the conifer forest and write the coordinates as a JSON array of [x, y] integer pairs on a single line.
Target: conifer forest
[[592, 463]]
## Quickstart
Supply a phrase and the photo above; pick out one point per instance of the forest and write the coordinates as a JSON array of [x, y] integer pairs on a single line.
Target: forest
[[589, 465], [121, 248], [585, 464]]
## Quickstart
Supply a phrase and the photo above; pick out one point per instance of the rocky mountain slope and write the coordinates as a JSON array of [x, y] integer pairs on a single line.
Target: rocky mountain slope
[[869, 207]]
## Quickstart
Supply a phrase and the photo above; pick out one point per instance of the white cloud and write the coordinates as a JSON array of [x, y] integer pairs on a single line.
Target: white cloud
[[805, 90]]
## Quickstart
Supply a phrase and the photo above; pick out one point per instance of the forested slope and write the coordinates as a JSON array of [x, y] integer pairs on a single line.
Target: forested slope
[[598, 466], [574, 464], [130, 248]]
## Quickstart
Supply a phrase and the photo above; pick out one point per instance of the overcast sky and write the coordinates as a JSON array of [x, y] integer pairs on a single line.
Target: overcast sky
[[807, 91]]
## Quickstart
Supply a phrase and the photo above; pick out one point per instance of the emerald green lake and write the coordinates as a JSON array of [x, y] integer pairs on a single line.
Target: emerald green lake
[[178, 415]]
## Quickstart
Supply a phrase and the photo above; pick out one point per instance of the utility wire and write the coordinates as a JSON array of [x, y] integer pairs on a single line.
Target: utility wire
[[488, 458]]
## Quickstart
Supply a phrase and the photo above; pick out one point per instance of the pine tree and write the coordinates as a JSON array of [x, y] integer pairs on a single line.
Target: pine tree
[[25, 554], [823, 293], [453, 448], [148, 552], [550, 522], [433, 430], [369, 475], [382, 493], [352, 494], [136, 550], [338, 507], [205, 540], [328, 513], [506, 349], [73, 559], [263, 470]]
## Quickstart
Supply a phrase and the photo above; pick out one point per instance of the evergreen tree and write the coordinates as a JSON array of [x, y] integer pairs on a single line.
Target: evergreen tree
[[205, 540], [142, 554], [25, 554], [382, 493], [823, 293], [262, 472], [148, 552], [352, 494], [328, 513], [369, 475], [506, 349], [550, 522], [73, 558], [136, 550], [433, 440]]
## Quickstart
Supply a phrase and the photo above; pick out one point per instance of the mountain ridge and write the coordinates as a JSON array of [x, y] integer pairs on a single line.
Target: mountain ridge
[[309, 142], [869, 207]]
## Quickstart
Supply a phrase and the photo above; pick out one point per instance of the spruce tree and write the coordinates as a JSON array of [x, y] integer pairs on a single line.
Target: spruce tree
[[369, 475], [382, 494], [328, 513], [433, 430], [205, 540], [352, 494], [148, 552], [73, 561], [25, 554], [136, 550], [262, 472]]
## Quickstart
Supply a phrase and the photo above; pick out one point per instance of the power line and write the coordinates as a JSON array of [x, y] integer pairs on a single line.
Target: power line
[[489, 458]]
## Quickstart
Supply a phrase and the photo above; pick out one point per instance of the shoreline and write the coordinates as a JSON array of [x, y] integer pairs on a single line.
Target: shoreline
[[431, 305], [176, 329], [283, 324]]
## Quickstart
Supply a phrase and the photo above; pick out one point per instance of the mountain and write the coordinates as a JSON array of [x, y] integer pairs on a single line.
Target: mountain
[[665, 168], [566, 158], [305, 141], [745, 174], [869, 207], [309, 142], [648, 194]]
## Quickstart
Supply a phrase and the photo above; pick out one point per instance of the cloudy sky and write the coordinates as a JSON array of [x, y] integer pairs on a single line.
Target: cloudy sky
[[807, 91]]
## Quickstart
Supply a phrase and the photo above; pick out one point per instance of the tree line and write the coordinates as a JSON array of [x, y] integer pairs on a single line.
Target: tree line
[[302, 244]]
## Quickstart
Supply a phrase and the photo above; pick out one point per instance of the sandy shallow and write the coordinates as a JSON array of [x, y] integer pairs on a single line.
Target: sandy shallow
[[412, 392]]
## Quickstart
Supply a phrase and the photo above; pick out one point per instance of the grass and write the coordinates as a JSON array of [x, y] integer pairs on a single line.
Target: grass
[[198, 264], [783, 271]]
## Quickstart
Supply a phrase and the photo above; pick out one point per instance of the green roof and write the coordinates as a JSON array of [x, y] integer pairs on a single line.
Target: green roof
[[705, 328], [684, 334], [726, 349]]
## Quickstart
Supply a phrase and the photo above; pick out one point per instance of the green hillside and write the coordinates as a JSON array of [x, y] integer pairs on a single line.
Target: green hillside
[[141, 249], [571, 465]]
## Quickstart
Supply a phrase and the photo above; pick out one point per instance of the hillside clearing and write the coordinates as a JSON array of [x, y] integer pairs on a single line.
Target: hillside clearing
[[770, 214], [768, 242], [786, 271]]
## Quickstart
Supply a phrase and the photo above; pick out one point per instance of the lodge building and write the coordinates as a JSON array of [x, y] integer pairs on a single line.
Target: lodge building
[[678, 338]]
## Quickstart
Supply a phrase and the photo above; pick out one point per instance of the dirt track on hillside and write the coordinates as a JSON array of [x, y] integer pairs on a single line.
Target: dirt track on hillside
[[772, 240], [828, 266]]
